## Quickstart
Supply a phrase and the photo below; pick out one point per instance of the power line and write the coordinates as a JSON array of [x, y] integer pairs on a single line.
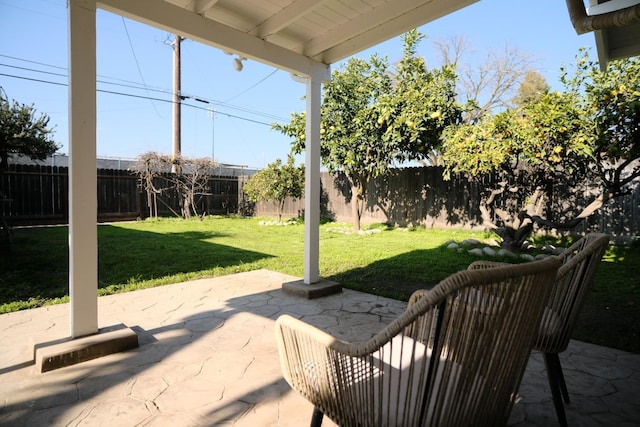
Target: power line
[[135, 58], [252, 86], [140, 97], [136, 85]]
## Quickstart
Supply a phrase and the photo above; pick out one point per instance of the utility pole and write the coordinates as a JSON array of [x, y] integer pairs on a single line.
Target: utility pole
[[177, 143]]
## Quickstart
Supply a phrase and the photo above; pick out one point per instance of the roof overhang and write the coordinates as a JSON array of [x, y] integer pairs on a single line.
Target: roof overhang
[[615, 24], [301, 36]]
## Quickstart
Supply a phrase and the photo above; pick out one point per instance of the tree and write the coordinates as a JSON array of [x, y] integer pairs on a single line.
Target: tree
[[531, 89], [527, 152], [372, 117], [24, 133], [586, 136], [276, 184], [488, 84], [612, 101], [190, 181]]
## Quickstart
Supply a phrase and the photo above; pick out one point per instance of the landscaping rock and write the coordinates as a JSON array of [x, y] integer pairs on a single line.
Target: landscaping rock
[[475, 251], [470, 242], [453, 245], [506, 253], [526, 257], [488, 251]]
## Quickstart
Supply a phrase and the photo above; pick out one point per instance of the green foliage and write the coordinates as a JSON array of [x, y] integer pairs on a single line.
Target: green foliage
[[22, 133], [612, 101], [373, 116], [276, 184], [550, 135], [588, 134]]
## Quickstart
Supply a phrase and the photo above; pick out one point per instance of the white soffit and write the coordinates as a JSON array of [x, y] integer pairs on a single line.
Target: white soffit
[[615, 42], [300, 36]]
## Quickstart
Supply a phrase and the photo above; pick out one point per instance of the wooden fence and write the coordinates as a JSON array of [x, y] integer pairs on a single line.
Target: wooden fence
[[35, 194], [413, 196], [420, 196]]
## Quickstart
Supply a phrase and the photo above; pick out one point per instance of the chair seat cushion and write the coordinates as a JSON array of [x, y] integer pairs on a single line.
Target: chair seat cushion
[[400, 379]]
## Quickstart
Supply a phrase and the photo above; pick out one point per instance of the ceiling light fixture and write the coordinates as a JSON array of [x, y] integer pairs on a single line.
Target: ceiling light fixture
[[237, 63]]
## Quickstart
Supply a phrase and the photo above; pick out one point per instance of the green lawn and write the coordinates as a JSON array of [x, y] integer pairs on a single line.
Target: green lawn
[[393, 263]]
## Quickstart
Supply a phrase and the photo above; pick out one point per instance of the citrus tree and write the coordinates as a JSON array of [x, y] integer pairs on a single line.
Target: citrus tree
[[373, 116], [276, 183], [585, 137]]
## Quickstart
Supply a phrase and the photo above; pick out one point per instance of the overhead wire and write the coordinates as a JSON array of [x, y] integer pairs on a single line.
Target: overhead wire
[[135, 58], [252, 86], [141, 97], [136, 85]]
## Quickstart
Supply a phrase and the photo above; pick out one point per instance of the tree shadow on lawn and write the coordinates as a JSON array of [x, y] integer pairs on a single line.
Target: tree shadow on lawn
[[125, 255], [399, 276], [39, 267]]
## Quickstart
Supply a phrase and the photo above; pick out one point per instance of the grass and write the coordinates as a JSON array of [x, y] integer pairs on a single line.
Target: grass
[[393, 263]]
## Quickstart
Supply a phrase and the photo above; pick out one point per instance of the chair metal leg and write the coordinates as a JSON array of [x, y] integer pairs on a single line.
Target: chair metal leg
[[560, 376], [555, 376], [316, 418]]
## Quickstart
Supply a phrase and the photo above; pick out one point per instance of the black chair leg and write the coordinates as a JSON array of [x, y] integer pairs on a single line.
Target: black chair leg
[[563, 384], [316, 418], [556, 381]]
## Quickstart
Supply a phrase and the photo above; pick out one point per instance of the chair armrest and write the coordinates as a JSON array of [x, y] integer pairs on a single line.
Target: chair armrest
[[420, 293], [315, 364], [482, 265]]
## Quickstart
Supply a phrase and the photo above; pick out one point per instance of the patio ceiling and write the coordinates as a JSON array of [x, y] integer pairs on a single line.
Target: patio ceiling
[[303, 37], [300, 36]]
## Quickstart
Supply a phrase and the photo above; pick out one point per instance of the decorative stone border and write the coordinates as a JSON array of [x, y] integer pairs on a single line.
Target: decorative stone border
[[491, 249]]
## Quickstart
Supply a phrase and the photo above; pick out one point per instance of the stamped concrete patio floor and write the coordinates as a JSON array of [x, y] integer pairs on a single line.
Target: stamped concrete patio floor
[[208, 357]]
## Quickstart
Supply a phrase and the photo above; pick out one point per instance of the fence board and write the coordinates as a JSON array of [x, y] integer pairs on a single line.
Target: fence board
[[420, 196], [36, 194]]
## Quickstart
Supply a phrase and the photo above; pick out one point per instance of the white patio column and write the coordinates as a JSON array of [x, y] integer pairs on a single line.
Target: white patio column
[[83, 211], [312, 183]]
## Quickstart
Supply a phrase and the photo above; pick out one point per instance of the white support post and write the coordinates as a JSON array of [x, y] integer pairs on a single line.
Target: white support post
[[312, 183], [83, 211]]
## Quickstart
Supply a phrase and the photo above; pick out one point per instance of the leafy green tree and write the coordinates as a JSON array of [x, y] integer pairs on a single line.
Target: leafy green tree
[[276, 184], [612, 101], [22, 132], [586, 136], [373, 116], [527, 151]]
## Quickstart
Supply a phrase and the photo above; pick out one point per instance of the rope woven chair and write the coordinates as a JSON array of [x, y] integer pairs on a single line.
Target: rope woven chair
[[579, 267], [455, 357]]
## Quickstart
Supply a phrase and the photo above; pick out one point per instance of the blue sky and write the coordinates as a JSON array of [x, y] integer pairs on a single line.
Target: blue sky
[[136, 60]]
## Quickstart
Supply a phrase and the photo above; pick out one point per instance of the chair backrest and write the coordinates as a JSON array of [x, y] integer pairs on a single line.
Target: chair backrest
[[580, 263], [455, 357]]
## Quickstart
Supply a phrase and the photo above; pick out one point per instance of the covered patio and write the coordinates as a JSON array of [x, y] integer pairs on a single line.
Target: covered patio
[[208, 357], [207, 354]]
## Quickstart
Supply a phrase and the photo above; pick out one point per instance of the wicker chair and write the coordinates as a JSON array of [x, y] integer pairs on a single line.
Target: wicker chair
[[580, 264], [455, 357]]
